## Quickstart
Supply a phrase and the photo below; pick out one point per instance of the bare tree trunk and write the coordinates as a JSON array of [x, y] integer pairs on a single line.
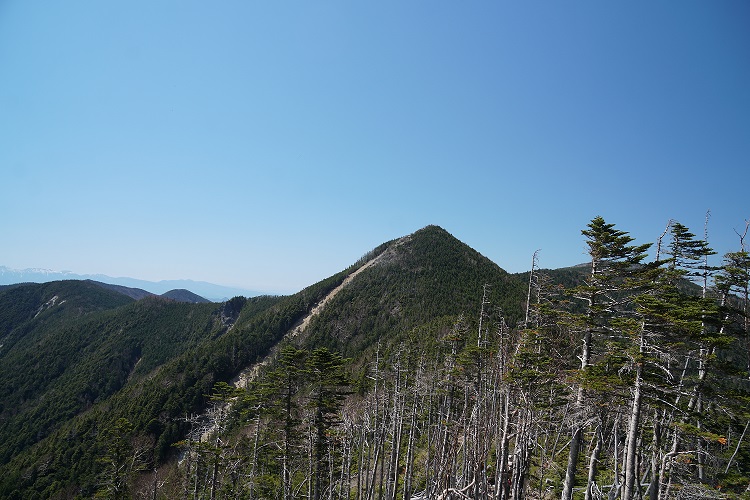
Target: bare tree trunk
[[570, 471], [521, 455], [433, 435], [361, 466], [737, 449], [502, 469], [666, 465], [370, 486], [311, 454], [368, 463], [347, 444], [465, 445], [381, 454], [532, 279], [614, 490], [396, 427], [577, 438], [410, 448], [214, 474], [156, 484], [593, 463], [188, 454], [331, 461], [653, 487], [631, 440], [254, 462]]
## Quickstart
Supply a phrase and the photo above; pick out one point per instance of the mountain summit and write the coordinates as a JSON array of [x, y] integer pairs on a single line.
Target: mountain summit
[[163, 357], [415, 279]]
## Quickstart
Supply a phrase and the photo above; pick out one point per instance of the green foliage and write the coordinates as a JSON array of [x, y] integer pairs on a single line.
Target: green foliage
[[120, 462], [80, 362], [24, 307], [152, 361], [328, 382], [409, 379], [430, 276]]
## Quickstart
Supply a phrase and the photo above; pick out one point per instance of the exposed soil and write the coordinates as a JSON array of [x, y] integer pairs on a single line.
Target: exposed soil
[[251, 372]]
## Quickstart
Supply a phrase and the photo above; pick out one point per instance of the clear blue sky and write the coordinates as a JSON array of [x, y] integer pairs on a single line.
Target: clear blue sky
[[271, 144]]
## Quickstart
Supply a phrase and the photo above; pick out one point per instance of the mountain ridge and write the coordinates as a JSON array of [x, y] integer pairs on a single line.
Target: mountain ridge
[[183, 295], [76, 359], [210, 291], [220, 341]]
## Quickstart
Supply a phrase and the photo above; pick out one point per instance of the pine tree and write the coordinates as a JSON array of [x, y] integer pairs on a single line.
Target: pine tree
[[606, 291], [122, 461], [286, 381], [328, 383]]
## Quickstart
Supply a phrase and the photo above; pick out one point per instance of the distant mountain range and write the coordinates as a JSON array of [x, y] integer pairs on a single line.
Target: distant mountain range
[[178, 295], [211, 291]]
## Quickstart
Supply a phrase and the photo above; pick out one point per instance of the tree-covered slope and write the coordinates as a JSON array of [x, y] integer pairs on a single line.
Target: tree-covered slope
[[154, 361], [30, 306], [151, 362], [418, 371], [623, 383], [182, 295], [421, 277], [59, 365], [43, 339]]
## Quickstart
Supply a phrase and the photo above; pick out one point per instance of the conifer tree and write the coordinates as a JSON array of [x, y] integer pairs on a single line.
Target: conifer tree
[[329, 383], [286, 380], [613, 262], [670, 351], [121, 461]]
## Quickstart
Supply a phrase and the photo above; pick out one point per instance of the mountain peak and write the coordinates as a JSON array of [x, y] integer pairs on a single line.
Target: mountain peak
[[409, 281], [432, 227], [433, 245], [183, 295]]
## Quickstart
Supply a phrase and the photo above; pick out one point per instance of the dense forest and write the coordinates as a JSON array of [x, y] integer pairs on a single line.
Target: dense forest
[[433, 374]]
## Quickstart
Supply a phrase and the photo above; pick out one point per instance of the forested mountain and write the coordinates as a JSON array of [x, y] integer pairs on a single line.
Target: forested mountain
[[133, 293], [182, 295], [422, 371], [417, 280], [140, 287]]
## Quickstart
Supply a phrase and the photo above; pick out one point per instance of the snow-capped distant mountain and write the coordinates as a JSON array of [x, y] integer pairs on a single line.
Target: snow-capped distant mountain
[[211, 291], [36, 271]]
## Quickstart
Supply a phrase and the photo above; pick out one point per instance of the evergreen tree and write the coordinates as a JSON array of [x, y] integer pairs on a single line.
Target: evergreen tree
[[290, 375], [122, 461], [606, 292], [328, 388]]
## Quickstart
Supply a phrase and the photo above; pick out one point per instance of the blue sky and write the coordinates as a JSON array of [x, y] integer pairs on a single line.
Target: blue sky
[[271, 144]]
